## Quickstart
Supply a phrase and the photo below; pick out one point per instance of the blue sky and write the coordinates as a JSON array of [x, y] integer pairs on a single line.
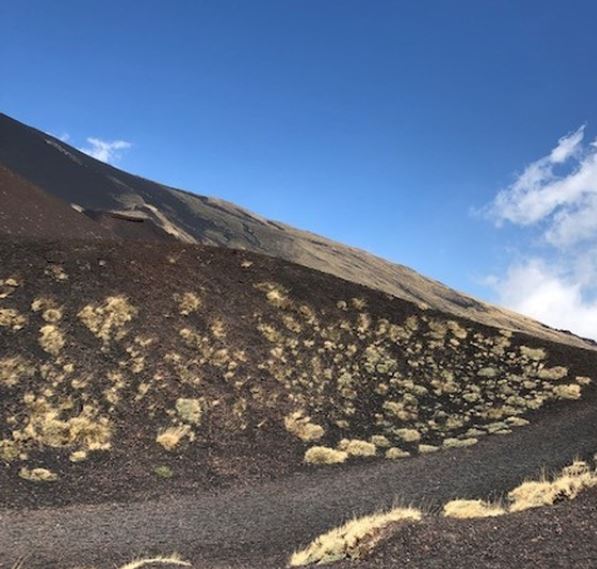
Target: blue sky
[[382, 124]]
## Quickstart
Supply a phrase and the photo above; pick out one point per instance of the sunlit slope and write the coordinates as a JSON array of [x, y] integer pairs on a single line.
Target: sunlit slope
[[124, 364], [60, 169]]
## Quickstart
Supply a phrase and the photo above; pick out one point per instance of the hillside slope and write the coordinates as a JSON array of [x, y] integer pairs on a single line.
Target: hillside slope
[[123, 362], [76, 178], [27, 211]]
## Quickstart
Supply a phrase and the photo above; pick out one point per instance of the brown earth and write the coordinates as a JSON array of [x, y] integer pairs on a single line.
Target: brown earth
[[74, 177], [27, 211], [267, 339], [240, 494]]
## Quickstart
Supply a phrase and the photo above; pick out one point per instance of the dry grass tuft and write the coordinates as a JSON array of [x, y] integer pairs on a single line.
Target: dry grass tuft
[[534, 494], [173, 559], [11, 318], [352, 540], [46, 427], [51, 339], [38, 474], [108, 320], [459, 443], [189, 410], [471, 509], [356, 447], [325, 455], [394, 453], [188, 303], [13, 369], [171, 437], [567, 391], [301, 426]]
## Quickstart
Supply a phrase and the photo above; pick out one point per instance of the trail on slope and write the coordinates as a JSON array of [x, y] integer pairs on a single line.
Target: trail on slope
[[271, 519]]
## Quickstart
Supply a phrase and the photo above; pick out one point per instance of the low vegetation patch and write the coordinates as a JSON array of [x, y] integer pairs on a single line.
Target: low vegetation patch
[[352, 540], [530, 494], [137, 564], [566, 486], [472, 509], [301, 426], [325, 455]]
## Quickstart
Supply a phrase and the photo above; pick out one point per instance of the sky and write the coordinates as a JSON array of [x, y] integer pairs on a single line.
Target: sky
[[453, 137]]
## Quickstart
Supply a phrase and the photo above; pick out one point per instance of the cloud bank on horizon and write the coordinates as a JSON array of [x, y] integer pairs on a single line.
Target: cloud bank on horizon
[[556, 197]]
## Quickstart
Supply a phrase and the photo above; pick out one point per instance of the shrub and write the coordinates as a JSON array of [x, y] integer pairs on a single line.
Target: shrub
[[325, 455]]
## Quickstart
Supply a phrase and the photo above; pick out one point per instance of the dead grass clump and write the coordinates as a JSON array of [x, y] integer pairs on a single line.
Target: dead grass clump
[[171, 437], [51, 339], [189, 410], [38, 474], [534, 494], [352, 540], [427, 449], [567, 391], [394, 453], [380, 441], [325, 455], [357, 447], [535, 354], [471, 509], [275, 293], [50, 311], [171, 560], [13, 369], [188, 303], [553, 373], [12, 318], [108, 320], [408, 435], [459, 443], [46, 427], [9, 451], [301, 426]]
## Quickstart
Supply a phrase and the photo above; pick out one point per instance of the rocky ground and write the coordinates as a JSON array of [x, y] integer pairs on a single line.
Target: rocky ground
[[159, 398]]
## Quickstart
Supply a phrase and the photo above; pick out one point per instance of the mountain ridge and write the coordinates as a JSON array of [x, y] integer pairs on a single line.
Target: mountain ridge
[[76, 178]]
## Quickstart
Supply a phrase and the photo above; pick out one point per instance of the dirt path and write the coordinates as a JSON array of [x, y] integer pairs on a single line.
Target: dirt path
[[273, 518]]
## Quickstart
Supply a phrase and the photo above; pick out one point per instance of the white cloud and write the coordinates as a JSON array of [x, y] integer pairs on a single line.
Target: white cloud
[[557, 299], [106, 151], [558, 195]]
